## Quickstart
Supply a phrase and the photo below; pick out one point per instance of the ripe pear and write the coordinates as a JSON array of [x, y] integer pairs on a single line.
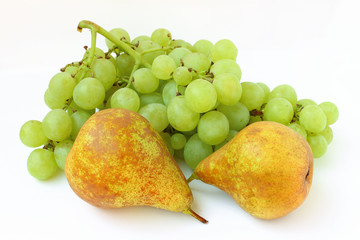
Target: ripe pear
[[119, 160], [266, 168]]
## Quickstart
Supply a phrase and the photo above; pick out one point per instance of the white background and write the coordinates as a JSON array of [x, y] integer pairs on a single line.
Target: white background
[[313, 45]]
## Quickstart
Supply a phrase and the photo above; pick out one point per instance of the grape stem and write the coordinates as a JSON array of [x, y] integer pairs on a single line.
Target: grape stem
[[154, 50], [131, 75], [97, 29]]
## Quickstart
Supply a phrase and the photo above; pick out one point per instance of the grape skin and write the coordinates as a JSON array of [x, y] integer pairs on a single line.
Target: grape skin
[[89, 93], [195, 150], [318, 144], [180, 116], [57, 125], [237, 114], [252, 95], [156, 114], [32, 135], [279, 110], [200, 96], [313, 119], [213, 127], [228, 88], [284, 91], [145, 81], [161, 36], [126, 98], [331, 111], [41, 164], [61, 151]]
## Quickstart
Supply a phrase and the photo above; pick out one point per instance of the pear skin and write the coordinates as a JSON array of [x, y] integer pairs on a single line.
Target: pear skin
[[119, 160], [266, 168]]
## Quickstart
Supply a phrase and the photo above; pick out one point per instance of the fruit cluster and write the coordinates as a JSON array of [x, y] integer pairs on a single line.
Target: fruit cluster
[[191, 94]]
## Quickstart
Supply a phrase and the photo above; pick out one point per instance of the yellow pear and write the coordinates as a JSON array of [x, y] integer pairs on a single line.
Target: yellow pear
[[266, 168], [119, 160]]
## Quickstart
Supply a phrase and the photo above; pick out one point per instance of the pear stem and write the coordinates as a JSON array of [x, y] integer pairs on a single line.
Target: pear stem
[[195, 215], [192, 177]]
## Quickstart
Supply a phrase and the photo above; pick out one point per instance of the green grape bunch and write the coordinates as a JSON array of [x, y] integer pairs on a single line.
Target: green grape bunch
[[192, 94]]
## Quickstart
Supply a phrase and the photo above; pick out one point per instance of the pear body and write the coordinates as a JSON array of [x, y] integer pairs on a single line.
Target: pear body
[[119, 160], [266, 168]]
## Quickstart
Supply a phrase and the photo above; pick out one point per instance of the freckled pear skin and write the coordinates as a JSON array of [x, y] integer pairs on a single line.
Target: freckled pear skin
[[119, 160], [266, 168]]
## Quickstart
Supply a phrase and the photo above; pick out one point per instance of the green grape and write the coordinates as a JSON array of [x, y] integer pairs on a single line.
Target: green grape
[[89, 93], [203, 46], [231, 135], [98, 53], [126, 98], [213, 127], [285, 91], [189, 133], [136, 41], [328, 134], [180, 116], [107, 101], [53, 102], [252, 95], [41, 164], [254, 119], [110, 58], [163, 67], [178, 53], [161, 86], [119, 34], [223, 49], [181, 90], [169, 92], [57, 125], [305, 102], [331, 111], [228, 88], [161, 36], [318, 144], [237, 114], [226, 66], [313, 119], [105, 72], [73, 70], [78, 119], [178, 141], [61, 151], [73, 107], [125, 64], [200, 96], [154, 97], [278, 110], [197, 61], [179, 154], [178, 43], [182, 76], [152, 49], [298, 128], [266, 90], [32, 135], [145, 81], [62, 85], [156, 114], [195, 150], [166, 137]]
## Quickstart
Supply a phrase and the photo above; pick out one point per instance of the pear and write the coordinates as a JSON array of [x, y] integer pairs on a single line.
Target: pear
[[266, 168], [119, 160]]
